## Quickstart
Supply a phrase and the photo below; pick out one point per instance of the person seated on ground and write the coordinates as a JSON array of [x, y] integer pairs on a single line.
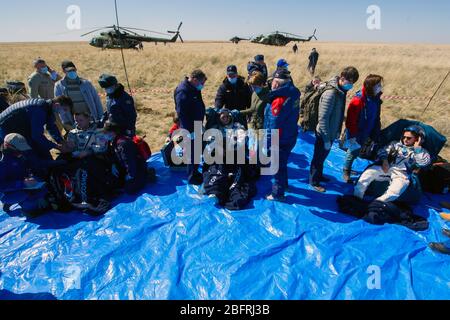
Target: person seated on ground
[[231, 183], [234, 93], [174, 128], [231, 130], [86, 137], [313, 85], [442, 247], [399, 160], [22, 174], [29, 118], [119, 104], [130, 167]]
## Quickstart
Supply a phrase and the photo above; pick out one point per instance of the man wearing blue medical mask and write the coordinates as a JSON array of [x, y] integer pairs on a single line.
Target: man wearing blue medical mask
[[42, 81], [331, 118], [190, 109], [83, 94], [120, 108], [41, 84], [234, 93]]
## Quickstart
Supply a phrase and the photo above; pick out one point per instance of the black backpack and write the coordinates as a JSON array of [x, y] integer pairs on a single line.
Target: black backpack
[[310, 108], [436, 179]]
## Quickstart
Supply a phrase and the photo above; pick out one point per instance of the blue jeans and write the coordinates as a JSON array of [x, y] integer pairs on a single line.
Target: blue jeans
[[280, 180], [194, 176], [29, 201], [317, 163], [351, 157]]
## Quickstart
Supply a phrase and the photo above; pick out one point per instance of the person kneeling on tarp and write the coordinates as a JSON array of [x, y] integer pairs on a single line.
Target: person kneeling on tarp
[[399, 160], [21, 173]]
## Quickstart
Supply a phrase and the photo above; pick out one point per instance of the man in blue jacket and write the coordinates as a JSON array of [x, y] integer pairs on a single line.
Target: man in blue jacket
[[21, 171], [119, 104], [190, 109], [29, 118], [283, 114]]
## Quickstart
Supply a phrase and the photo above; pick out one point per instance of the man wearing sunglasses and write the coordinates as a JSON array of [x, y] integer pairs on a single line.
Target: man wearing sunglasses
[[398, 161]]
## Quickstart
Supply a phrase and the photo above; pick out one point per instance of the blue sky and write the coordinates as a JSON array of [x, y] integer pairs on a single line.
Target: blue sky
[[345, 20]]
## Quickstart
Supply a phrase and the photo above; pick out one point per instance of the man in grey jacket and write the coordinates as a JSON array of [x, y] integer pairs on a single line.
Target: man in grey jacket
[[83, 94], [331, 118]]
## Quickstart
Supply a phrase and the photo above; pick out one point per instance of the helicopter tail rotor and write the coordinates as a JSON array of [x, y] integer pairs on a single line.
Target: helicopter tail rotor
[[177, 33]]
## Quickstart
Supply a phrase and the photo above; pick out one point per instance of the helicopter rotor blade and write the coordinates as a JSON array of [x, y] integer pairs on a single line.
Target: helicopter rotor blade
[[110, 27], [132, 32], [145, 30], [179, 27], [181, 39]]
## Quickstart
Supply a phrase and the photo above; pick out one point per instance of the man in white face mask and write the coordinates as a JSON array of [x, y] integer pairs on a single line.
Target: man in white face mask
[[234, 93], [83, 94], [42, 80]]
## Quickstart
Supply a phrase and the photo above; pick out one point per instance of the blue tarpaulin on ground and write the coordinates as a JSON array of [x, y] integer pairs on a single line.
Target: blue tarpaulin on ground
[[172, 243]]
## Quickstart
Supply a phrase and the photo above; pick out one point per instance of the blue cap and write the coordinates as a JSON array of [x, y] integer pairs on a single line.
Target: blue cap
[[282, 63], [107, 80], [232, 69], [259, 57], [282, 74]]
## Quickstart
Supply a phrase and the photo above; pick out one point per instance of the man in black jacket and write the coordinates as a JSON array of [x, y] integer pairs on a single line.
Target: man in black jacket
[[234, 93], [313, 60]]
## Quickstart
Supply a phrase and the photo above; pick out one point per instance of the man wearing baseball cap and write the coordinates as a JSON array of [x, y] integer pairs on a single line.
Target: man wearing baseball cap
[[234, 93], [42, 80], [83, 94], [20, 174], [258, 65], [283, 115], [119, 104]]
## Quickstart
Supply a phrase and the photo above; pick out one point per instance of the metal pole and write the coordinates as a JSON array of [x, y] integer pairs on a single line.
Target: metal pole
[[440, 86], [121, 50]]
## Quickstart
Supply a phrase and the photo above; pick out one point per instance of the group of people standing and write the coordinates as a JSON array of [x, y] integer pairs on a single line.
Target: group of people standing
[[273, 103]]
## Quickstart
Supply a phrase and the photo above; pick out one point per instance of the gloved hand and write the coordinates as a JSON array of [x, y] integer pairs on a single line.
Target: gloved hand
[[327, 146]]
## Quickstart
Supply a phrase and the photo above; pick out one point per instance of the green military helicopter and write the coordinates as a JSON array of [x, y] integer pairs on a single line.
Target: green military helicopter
[[118, 37], [279, 39], [125, 38], [236, 40]]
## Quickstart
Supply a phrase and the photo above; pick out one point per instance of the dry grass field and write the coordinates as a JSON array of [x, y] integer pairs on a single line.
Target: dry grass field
[[409, 71]]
